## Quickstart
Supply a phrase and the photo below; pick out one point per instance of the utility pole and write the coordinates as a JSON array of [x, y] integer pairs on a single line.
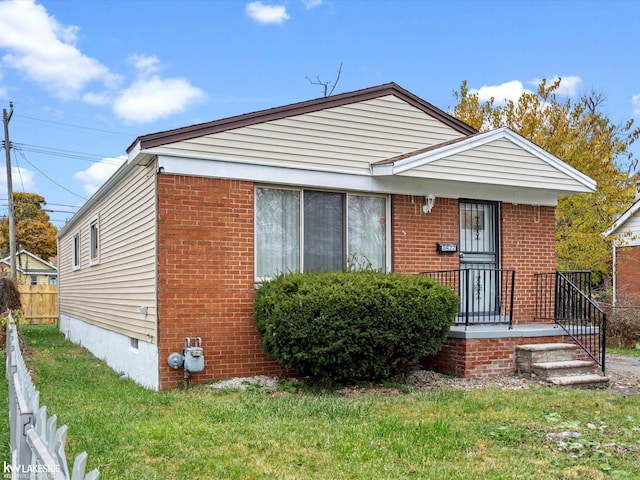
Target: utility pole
[[12, 232]]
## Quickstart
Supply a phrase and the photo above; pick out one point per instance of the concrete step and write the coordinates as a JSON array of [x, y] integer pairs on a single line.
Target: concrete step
[[563, 368], [526, 355], [583, 381]]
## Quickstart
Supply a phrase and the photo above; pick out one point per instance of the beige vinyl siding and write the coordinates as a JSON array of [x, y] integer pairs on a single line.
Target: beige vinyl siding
[[632, 225], [497, 163], [27, 262], [346, 138], [109, 294]]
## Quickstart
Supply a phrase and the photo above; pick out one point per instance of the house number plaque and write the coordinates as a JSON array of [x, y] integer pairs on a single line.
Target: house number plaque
[[446, 247]]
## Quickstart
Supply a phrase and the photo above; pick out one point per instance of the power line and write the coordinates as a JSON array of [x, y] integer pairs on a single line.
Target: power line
[[58, 152], [79, 127], [19, 171], [49, 178], [47, 203]]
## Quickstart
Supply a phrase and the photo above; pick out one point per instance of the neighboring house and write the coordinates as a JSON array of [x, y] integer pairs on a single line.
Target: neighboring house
[[31, 269], [175, 243], [626, 256]]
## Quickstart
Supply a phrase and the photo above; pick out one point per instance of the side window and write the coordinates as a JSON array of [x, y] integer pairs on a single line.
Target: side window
[[94, 241], [75, 251]]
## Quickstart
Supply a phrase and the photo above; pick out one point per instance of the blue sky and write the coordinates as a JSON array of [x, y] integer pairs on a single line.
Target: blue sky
[[88, 77]]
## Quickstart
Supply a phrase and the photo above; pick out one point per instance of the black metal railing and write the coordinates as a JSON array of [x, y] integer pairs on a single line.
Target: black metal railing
[[486, 294], [565, 298]]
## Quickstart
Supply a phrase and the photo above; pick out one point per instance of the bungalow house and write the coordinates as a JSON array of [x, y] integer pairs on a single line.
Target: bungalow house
[[626, 256], [31, 269], [175, 243]]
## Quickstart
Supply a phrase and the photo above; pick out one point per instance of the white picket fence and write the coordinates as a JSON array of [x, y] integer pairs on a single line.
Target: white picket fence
[[37, 445]]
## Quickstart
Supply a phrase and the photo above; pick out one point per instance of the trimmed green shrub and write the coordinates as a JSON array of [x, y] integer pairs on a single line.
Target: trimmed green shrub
[[352, 325]]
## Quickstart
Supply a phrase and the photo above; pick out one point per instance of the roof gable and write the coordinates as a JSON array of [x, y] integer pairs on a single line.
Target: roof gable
[[624, 220], [309, 106], [33, 262], [498, 157]]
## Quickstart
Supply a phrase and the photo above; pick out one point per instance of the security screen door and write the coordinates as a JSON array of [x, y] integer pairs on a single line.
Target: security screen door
[[479, 258]]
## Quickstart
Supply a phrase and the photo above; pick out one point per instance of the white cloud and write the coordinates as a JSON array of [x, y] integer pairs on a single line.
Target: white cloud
[[145, 64], [515, 88], [262, 13], [506, 91], [102, 98], [98, 173], [568, 85], [309, 4], [635, 100], [22, 180], [45, 51], [150, 99]]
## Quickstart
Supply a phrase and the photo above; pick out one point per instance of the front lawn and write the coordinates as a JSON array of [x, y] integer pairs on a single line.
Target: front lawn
[[133, 433]]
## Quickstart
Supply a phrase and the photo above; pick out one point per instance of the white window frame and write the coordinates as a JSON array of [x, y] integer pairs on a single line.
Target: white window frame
[[347, 193], [75, 250], [94, 242]]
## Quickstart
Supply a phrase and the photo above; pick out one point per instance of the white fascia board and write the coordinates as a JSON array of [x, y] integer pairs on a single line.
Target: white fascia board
[[134, 153], [350, 181], [477, 141], [622, 219]]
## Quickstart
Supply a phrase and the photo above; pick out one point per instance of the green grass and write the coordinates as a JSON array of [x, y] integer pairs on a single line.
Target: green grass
[[133, 433], [631, 352], [4, 408]]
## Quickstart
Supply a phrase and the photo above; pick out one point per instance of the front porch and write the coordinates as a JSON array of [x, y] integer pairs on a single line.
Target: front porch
[[483, 340]]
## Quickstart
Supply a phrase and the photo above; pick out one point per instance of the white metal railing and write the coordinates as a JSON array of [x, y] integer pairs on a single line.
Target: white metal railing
[[37, 445]]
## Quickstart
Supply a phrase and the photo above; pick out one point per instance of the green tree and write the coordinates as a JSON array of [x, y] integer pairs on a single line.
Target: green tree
[[582, 135], [34, 231]]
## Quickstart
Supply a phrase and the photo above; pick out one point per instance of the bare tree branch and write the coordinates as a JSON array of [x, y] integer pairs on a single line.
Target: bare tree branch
[[325, 85]]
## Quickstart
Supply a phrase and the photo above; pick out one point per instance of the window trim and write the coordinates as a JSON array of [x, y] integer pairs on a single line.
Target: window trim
[[347, 193], [75, 250], [94, 244]]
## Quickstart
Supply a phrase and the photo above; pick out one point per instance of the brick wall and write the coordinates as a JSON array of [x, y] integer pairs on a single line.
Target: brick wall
[[527, 243], [206, 270], [205, 277], [415, 234], [628, 276], [486, 357], [528, 247]]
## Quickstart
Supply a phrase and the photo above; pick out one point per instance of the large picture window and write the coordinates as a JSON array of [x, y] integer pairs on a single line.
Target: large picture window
[[316, 230]]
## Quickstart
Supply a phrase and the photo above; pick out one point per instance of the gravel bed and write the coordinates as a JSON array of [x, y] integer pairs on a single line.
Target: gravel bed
[[620, 382]]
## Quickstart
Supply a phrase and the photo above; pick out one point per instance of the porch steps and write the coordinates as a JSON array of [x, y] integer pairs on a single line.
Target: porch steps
[[557, 363]]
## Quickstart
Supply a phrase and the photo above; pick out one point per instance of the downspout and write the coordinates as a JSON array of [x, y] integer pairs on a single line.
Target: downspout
[[615, 295]]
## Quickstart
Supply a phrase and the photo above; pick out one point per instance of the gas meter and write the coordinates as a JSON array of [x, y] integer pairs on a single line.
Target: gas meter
[[193, 357]]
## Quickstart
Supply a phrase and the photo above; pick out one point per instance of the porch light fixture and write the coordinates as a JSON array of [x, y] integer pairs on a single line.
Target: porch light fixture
[[430, 201]]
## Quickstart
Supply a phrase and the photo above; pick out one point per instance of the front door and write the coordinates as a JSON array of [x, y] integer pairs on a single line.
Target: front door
[[479, 276]]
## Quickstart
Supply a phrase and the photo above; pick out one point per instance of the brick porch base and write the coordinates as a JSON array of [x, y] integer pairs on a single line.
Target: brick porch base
[[489, 351]]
